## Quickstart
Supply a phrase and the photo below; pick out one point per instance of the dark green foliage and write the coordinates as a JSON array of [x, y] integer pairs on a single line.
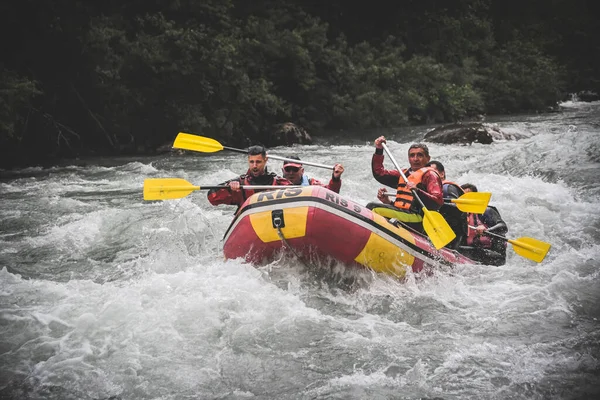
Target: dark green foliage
[[16, 101], [521, 78], [124, 77]]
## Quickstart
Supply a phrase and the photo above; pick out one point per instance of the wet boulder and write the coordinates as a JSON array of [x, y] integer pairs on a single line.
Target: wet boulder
[[587, 96], [287, 134], [467, 133]]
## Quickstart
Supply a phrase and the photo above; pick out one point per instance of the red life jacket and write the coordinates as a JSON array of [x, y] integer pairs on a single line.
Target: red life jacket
[[473, 239], [404, 196]]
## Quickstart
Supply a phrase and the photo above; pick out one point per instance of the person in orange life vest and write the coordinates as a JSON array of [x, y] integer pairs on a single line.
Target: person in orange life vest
[[294, 172], [485, 249], [456, 218], [257, 174], [426, 182]]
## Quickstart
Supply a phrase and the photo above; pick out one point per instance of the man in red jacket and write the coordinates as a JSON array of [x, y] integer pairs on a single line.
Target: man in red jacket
[[424, 180], [257, 174]]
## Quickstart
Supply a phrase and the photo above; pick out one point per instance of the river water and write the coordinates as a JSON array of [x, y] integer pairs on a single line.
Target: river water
[[105, 296]]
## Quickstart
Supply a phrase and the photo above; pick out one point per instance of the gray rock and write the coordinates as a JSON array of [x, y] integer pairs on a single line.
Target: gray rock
[[467, 133], [287, 134]]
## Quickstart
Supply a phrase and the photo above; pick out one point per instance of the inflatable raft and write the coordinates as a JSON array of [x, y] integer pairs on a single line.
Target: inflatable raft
[[316, 223]]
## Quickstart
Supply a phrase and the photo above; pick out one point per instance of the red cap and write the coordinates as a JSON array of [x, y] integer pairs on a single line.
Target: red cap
[[292, 162]]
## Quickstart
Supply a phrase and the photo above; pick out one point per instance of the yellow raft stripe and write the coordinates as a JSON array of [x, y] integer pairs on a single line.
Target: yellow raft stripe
[[383, 256], [399, 215], [295, 224], [403, 233]]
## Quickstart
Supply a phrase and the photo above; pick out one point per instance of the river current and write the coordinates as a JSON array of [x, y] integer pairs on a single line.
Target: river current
[[105, 296]]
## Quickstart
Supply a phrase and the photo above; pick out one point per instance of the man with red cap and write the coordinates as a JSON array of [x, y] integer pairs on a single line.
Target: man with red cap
[[294, 172]]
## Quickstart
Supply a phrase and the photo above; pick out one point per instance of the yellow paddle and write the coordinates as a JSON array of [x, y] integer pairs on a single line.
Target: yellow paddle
[[176, 188], [527, 247], [435, 225], [471, 202], [187, 141]]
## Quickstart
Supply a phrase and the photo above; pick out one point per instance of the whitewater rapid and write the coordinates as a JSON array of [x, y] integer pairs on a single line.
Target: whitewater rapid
[[105, 296]]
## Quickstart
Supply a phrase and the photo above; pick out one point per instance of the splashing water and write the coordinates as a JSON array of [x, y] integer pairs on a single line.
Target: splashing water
[[104, 296]]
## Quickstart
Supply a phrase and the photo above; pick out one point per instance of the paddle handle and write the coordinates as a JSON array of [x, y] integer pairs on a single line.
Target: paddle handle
[[280, 158], [301, 162], [210, 187], [511, 241], [259, 187], [188, 141], [390, 194], [236, 150], [492, 234], [389, 153], [190, 187], [251, 187], [446, 199]]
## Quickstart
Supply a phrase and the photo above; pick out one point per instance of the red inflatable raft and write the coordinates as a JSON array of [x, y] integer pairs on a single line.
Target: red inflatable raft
[[318, 223]]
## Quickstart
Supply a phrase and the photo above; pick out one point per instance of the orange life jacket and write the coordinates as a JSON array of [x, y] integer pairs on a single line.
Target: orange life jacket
[[404, 197]]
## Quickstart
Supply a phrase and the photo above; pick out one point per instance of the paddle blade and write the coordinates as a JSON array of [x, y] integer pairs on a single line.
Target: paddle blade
[[473, 202], [437, 229], [167, 188], [531, 248], [202, 144]]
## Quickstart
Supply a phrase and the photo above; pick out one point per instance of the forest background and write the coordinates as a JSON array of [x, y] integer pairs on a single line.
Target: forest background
[[80, 78]]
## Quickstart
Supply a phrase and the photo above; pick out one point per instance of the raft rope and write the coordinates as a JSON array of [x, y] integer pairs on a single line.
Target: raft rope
[[277, 223]]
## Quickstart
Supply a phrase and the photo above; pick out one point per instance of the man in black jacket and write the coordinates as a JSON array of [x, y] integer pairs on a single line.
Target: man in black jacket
[[484, 248]]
